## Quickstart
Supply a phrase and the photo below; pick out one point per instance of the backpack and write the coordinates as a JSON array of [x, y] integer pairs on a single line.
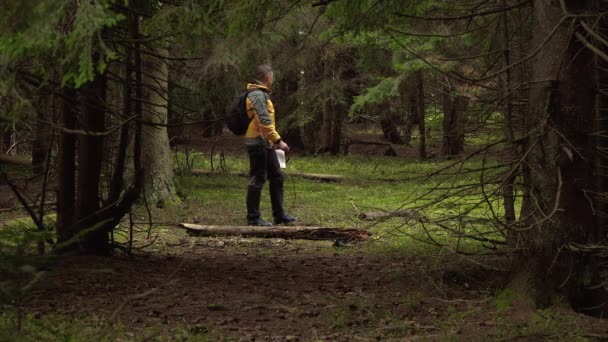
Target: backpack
[[237, 119]]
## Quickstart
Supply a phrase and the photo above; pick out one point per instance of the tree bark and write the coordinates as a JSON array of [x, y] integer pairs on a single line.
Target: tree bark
[[412, 99], [421, 109], [508, 184], [308, 137], [156, 152], [601, 125], [66, 189], [331, 127], [408, 104], [40, 146], [283, 232], [454, 121], [388, 123], [90, 151], [555, 211], [120, 161]]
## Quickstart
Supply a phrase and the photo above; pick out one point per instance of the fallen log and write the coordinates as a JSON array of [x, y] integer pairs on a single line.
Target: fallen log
[[366, 142], [283, 232], [390, 151], [408, 213], [15, 160], [312, 176]]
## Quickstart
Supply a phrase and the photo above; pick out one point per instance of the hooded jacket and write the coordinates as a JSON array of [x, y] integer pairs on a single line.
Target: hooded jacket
[[261, 130]]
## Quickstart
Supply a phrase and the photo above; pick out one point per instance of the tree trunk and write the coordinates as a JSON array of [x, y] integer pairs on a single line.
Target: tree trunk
[[326, 123], [388, 123], [156, 152], [336, 129], [412, 98], [508, 184], [308, 137], [90, 151], [408, 105], [454, 121], [421, 109], [42, 139], [120, 160], [601, 125], [331, 129], [555, 211], [66, 190]]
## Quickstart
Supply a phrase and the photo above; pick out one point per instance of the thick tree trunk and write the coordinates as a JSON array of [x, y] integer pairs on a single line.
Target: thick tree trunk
[[120, 160], [156, 152], [601, 125], [90, 151], [454, 121], [556, 211], [66, 189]]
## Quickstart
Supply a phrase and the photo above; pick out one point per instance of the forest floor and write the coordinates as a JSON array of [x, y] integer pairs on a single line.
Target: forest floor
[[277, 290], [391, 288]]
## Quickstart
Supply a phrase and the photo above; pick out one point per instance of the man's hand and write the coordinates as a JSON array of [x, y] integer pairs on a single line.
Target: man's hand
[[283, 146]]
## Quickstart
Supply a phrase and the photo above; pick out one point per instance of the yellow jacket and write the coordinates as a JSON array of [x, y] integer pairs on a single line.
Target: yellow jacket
[[261, 129]]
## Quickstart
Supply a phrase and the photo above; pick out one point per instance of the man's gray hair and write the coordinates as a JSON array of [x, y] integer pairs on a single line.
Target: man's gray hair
[[261, 71]]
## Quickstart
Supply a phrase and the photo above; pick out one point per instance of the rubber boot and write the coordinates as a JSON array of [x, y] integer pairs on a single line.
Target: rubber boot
[[254, 194]]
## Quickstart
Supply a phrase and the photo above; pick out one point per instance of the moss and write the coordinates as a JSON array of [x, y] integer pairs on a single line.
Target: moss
[[504, 299], [520, 294], [170, 201]]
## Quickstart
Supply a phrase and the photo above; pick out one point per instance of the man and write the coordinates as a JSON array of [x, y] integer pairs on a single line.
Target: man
[[261, 137]]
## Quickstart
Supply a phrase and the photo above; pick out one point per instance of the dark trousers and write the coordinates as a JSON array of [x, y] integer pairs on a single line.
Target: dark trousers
[[263, 163]]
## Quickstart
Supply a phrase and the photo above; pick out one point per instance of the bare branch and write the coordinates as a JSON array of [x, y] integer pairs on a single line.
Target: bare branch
[[466, 16]]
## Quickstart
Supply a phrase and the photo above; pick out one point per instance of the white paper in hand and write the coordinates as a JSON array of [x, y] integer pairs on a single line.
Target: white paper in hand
[[281, 158]]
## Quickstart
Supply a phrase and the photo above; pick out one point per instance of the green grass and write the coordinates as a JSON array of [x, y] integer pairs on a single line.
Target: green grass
[[85, 329], [370, 184]]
